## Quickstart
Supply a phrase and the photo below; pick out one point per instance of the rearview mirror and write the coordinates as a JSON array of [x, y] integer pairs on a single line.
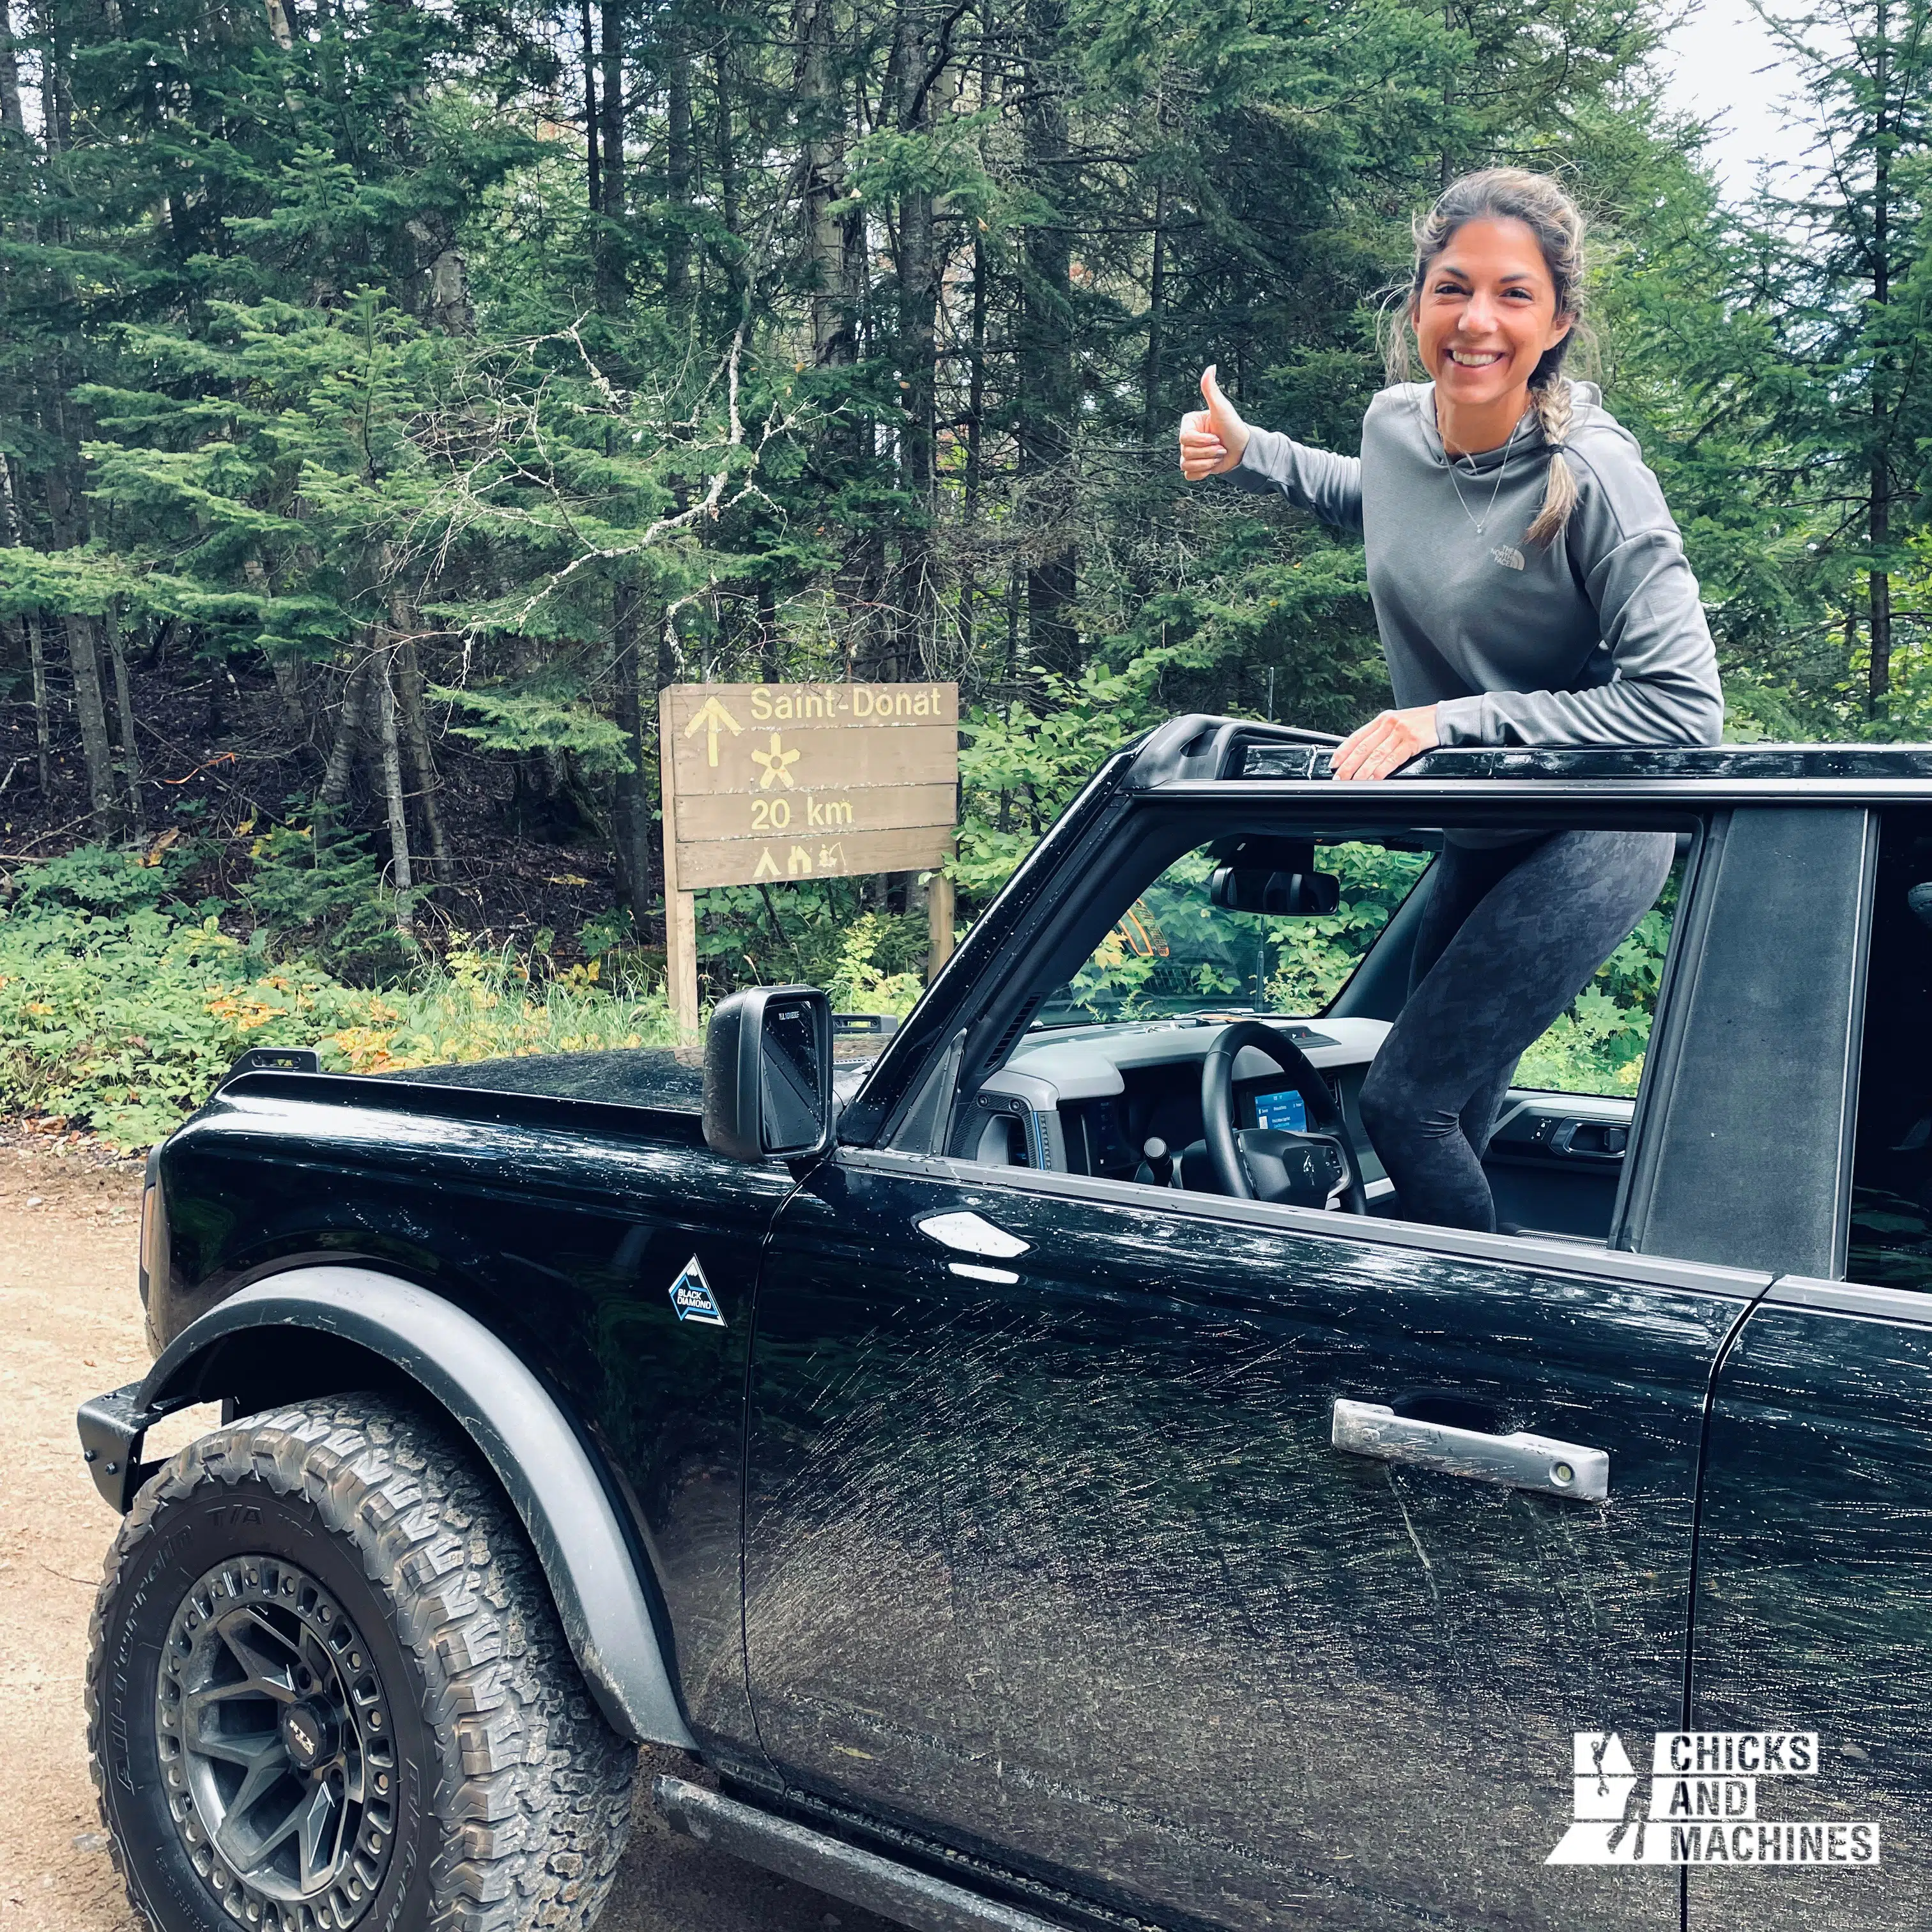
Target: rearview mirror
[[768, 1074], [1273, 875]]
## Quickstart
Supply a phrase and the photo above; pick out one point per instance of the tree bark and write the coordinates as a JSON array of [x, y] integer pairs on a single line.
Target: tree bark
[[415, 731], [1879, 676], [924, 96], [1046, 370], [12, 120], [590, 140], [392, 789], [633, 813], [124, 701], [43, 723], [83, 651], [612, 280], [1157, 319], [677, 165], [347, 740], [820, 130], [975, 417], [732, 262]]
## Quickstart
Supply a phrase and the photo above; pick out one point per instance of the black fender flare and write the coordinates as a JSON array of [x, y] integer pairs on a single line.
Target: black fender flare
[[492, 1395]]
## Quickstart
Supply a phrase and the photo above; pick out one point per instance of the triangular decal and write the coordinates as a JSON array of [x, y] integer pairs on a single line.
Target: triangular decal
[[691, 1295]]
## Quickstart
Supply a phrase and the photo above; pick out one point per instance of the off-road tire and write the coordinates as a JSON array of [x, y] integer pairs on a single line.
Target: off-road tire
[[512, 1794]]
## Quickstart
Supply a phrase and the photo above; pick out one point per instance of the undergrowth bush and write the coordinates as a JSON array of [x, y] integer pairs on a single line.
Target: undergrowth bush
[[121, 1006]]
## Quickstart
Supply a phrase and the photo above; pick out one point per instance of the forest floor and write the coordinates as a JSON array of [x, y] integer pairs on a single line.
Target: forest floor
[[70, 1326], [218, 752]]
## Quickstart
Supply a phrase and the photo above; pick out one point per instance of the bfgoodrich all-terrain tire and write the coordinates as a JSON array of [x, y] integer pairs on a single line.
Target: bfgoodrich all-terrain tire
[[327, 1690]]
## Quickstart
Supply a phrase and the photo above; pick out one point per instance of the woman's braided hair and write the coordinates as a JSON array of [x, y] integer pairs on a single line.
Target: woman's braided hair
[[1513, 194]]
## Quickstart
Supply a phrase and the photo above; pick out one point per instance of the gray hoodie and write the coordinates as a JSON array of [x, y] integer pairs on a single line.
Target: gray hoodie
[[1597, 638]]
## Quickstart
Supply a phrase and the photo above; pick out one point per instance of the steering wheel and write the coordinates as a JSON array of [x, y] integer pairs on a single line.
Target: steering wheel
[[1273, 1163]]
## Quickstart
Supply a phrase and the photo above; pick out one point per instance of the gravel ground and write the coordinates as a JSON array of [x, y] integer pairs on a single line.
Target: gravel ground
[[69, 1326]]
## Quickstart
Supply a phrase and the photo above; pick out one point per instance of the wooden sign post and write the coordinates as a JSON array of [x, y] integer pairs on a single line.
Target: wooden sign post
[[765, 783]]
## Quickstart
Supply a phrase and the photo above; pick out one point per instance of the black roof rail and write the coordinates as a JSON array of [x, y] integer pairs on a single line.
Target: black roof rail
[[1197, 748]]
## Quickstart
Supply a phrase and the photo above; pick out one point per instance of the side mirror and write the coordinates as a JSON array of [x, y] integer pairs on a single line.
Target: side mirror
[[768, 1074], [1273, 875]]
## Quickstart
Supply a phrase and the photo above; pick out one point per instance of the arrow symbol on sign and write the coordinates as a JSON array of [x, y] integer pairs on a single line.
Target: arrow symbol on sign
[[713, 716]]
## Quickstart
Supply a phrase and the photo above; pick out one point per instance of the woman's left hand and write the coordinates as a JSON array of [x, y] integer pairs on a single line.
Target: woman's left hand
[[1386, 743]]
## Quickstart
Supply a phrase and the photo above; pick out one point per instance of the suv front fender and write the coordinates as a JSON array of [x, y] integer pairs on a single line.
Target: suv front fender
[[485, 1391]]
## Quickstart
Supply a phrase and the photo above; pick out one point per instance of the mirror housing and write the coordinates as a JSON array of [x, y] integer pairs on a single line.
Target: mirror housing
[[1276, 876], [768, 1074]]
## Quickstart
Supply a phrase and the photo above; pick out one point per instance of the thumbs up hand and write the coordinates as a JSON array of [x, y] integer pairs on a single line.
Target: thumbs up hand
[[1211, 440]]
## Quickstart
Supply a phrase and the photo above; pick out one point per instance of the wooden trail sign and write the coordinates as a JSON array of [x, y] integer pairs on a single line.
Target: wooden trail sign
[[768, 783]]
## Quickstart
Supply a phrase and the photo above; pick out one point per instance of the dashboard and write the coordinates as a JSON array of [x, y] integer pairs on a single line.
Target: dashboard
[[1122, 1103], [1090, 1100]]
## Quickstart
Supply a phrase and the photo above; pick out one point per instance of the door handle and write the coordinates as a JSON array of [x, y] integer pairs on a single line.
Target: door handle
[[1520, 1462]]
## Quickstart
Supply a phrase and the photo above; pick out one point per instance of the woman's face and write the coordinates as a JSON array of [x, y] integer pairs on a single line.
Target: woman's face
[[1487, 312]]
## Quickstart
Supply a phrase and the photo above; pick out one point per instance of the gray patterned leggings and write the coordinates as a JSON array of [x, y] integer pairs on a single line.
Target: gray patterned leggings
[[1508, 938]]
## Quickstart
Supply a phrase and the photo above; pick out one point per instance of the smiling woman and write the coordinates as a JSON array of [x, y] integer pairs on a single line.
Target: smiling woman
[[1531, 588]]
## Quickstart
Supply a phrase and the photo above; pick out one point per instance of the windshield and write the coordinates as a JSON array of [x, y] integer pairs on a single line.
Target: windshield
[[1174, 951]]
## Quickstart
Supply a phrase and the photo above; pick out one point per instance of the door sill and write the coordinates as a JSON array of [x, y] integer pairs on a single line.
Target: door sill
[[881, 1884]]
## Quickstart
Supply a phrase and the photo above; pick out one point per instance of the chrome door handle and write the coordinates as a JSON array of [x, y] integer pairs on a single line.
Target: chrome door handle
[[1520, 1462]]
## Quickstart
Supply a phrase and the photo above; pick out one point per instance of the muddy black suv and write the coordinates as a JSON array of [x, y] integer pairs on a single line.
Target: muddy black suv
[[1038, 1478]]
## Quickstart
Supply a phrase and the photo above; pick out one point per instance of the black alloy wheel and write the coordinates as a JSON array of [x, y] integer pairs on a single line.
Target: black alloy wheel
[[327, 1689], [278, 1747]]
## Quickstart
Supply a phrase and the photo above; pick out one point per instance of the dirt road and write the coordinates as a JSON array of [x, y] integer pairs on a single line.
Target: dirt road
[[69, 1326]]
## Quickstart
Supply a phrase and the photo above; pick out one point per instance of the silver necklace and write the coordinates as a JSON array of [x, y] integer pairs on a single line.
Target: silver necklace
[[1482, 524]]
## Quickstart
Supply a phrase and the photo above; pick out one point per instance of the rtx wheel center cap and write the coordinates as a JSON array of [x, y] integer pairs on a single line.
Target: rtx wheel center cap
[[308, 1735]]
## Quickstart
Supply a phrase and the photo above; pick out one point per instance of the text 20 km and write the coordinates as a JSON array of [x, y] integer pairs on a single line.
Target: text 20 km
[[774, 814]]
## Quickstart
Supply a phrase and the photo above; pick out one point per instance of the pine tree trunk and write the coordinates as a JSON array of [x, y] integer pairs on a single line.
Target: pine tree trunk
[[1151, 374], [124, 701], [416, 730], [287, 674], [975, 415], [590, 136], [923, 98], [611, 279], [12, 120], [1878, 676], [401, 876], [820, 129], [732, 259], [347, 741], [677, 166], [633, 813], [83, 651], [1046, 371], [42, 722]]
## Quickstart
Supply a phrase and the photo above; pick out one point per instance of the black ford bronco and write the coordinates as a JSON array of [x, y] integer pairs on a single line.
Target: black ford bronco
[[1039, 1477]]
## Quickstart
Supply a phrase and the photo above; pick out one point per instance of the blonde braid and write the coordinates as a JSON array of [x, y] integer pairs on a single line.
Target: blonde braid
[[1554, 400]]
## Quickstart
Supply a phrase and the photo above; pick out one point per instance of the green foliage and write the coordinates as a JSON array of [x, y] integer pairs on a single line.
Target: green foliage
[[528, 721], [859, 985], [1176, 950], [321, 355], [1314, 957], [815, 933], [1021, 765], [120, 1009], [323, 898]]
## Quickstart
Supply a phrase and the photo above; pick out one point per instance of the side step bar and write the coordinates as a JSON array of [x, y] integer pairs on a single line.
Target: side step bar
[[894, 1891]]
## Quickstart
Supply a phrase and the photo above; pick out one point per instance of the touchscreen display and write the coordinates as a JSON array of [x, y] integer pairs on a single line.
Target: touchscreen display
[[1287, 1112]]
